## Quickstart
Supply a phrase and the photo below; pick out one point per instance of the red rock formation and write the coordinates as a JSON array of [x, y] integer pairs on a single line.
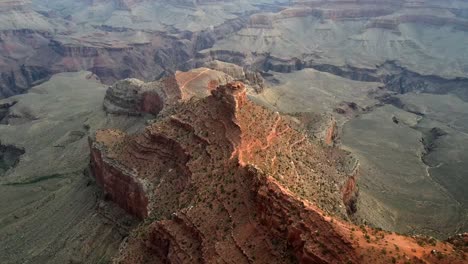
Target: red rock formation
[[226, 180], [120, 185], [151, 103], [350, 194], [199, 82], [134, 97], [331, 133]]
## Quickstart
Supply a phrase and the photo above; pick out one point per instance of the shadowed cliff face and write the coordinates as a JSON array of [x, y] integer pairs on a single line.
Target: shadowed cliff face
[[220, 178]]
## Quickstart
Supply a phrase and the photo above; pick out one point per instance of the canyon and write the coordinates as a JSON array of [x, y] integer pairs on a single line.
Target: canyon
[[161, 131], [146, 42]]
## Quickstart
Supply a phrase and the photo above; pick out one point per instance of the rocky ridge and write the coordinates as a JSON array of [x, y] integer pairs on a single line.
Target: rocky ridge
[[220, 178], [135, 97]]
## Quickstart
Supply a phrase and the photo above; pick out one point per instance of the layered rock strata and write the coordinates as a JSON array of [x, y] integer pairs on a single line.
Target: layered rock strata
[[135, 97], [222, 179]]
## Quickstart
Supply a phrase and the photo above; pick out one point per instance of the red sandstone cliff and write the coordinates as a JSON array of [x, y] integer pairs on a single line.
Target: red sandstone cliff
[[220, 179]]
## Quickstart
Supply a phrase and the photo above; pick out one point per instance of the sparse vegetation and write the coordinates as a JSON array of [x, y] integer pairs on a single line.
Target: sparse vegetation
[[367, 237]]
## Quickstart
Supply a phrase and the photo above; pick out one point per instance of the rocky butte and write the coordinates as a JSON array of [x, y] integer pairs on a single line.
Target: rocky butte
[[219, 179]]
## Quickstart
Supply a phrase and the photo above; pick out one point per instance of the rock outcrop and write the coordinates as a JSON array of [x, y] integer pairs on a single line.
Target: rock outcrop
[[222, 179], [135, 97], [252, 78]]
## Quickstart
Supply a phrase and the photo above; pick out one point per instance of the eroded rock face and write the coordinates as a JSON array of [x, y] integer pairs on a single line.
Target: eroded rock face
[[220, 178], [251, 78], [41, 39], [133, 97], [120, 185], [383, 14]]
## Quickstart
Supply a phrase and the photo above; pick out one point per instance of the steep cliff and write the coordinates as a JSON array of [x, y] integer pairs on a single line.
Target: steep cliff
[[222, 179]]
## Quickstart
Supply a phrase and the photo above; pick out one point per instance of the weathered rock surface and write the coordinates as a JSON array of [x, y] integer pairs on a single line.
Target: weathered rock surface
[[408, 46], [251, 78], [113, 39], [123, 39], [222, 179], [135, 97]]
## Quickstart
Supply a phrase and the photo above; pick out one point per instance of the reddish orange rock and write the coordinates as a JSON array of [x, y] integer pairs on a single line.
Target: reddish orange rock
[[220, 179]]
